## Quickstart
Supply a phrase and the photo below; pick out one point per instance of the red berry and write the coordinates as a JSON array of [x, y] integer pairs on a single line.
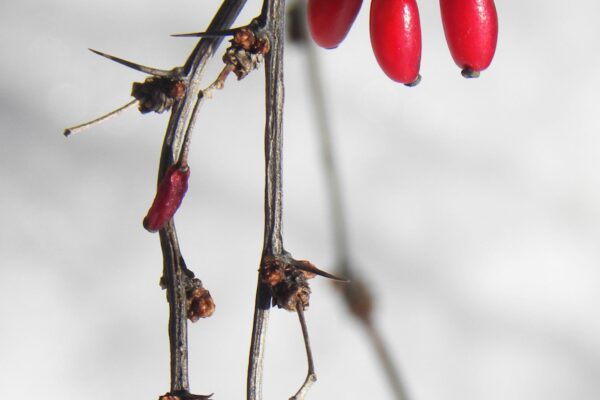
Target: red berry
[[396, 39], [471, 28], [169, 195], [330, 21]]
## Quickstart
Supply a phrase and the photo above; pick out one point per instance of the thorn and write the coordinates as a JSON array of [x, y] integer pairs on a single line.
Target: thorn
[[218, 34], [138, 67], [309, 267]]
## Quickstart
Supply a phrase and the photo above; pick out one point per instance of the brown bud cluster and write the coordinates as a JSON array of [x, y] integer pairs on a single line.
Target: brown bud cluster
[[246, 52], [288, 284], [157, 93], [200, 303]]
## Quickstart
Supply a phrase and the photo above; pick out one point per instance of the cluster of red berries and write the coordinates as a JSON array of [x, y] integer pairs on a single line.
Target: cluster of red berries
[[471, 28]]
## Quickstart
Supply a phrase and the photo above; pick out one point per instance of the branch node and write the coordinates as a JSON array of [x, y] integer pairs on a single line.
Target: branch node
[[158, 94], [287, 279], [247, 50]]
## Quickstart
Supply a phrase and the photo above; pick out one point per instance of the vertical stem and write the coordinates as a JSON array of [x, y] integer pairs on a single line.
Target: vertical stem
[[274, 127], [176, 295], [179, 123], [272, 17]]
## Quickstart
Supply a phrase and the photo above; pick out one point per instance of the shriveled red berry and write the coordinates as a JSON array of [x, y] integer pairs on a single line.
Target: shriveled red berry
[[396, 39], [471, 28], [169, 195], [329, 21]]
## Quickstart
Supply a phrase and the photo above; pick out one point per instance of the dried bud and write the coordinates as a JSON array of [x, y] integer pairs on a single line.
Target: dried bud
[[200, 304], [272, 272], [262, 46], [287, 280], [157, 94], [244, 38], [246, 52], [177, 90], [169, 195], [293, 288], [290, 289], [242, 61]]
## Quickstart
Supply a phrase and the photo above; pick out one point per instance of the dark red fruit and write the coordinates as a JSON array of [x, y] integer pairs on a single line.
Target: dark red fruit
[[471, 28], [396, 39], [330, 21], [169, 195]]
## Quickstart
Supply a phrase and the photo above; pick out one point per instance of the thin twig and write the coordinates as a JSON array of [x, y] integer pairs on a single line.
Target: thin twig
[[272, 18], [185, 148], [174, 279], [311, 376], [99, 120], [181, 121], [356, 293]]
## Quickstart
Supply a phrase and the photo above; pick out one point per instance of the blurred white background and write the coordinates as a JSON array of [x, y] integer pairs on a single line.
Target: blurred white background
[[474, 210]]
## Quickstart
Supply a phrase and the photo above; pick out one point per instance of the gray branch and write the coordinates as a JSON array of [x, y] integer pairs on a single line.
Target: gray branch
[[181, 121], [273, 16]]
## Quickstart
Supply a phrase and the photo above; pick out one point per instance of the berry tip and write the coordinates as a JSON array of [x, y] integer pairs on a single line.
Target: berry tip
[[470, 73], [415, 82]]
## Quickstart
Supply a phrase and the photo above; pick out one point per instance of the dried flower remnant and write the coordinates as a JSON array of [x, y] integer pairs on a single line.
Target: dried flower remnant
[[246, 52], [200, 304], [157, 94], [288, 280]]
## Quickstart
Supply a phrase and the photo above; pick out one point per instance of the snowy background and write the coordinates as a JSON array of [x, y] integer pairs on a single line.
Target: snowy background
[[474, 210]]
